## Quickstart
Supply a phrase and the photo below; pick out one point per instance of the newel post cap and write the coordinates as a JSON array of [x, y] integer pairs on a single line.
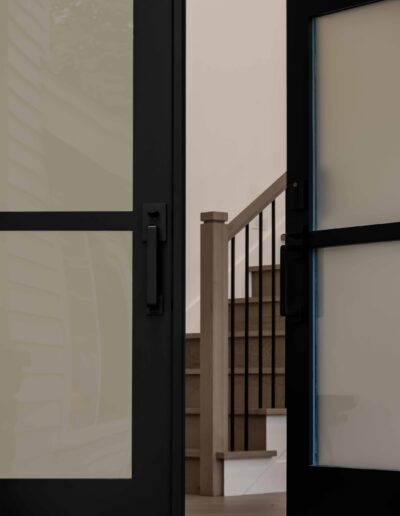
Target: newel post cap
[[214, 216]]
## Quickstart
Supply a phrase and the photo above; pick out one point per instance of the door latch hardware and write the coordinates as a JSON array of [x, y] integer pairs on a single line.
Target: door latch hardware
[[296, 195]]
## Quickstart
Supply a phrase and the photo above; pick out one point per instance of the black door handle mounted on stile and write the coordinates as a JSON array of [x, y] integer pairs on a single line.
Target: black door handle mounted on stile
[[152, 267], [293, 281], [283, 279], [154, 233]]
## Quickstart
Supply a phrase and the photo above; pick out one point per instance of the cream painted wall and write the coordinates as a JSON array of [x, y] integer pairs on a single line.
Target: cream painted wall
[[236, 113]]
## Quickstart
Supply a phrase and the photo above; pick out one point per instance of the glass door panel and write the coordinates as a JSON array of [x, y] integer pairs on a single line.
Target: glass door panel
[[66, 105], [358, 356], [66, 355], [357, 84]]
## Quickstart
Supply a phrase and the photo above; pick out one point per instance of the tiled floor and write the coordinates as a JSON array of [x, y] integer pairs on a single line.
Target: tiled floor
[[262, 505]]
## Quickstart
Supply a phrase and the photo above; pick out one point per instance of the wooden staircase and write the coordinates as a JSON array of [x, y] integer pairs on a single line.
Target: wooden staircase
[[258, 442]]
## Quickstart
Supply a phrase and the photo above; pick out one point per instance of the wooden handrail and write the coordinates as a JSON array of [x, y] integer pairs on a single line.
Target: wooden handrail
[[257, 206]]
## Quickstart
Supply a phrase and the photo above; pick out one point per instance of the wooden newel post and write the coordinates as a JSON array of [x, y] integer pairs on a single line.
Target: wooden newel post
[[213, 351]]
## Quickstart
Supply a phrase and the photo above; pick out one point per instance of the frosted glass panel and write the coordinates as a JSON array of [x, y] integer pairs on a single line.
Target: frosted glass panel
[[65, 354], [66, 102], [358, 356], [358, 116]]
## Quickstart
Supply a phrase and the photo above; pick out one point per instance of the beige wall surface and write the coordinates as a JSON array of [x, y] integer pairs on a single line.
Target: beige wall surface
[[236, 114]]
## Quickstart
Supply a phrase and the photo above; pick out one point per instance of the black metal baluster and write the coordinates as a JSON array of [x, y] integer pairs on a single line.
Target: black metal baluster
[[246, 346], [273, 314], [260, 311], [232, 377]]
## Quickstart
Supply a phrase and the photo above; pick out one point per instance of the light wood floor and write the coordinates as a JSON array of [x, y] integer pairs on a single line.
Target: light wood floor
[[262, 505]]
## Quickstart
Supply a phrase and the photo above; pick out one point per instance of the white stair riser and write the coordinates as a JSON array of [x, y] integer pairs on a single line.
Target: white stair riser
[[260, 476]]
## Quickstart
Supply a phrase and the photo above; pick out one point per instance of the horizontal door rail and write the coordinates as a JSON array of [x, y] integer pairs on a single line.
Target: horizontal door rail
[[67, 221], [257, 206], [354, 235]]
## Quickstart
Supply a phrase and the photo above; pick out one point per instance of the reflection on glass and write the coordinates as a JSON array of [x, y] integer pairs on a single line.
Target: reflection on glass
[[358, 116], [358, 356], [66, 355], [66, 105]]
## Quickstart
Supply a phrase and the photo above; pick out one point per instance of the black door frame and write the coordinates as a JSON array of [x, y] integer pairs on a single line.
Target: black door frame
[[157, 484], [316, 490]]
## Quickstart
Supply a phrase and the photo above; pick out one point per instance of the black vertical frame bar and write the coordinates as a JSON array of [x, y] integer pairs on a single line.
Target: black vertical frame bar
[[153, 182], [178, 294], [232, 346], [158, 342], [260, 310], [246, 340], [273, 306], [324, 491]]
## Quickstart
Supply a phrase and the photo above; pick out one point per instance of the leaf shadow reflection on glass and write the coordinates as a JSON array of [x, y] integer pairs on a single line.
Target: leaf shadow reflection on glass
[[67, 108]]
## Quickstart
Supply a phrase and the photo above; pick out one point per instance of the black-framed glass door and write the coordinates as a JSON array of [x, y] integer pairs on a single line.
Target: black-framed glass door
[[341, 257], [91, 256]]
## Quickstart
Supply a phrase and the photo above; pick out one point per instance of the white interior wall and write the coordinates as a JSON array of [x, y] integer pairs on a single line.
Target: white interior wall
[[236, 114]]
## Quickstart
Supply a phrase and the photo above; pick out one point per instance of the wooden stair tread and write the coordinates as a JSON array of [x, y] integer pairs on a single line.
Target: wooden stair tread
[[240, 371], [265, 333], [192, 336], [276, 411], [255, 268], [252, 333], [246, 455], [240, 412], [192, 453], [255, 300]]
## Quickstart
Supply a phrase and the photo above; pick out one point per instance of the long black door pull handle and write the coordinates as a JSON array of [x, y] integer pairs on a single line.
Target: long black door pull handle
[[293, 277], [284, 310], [155, 236], [152, 266]]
